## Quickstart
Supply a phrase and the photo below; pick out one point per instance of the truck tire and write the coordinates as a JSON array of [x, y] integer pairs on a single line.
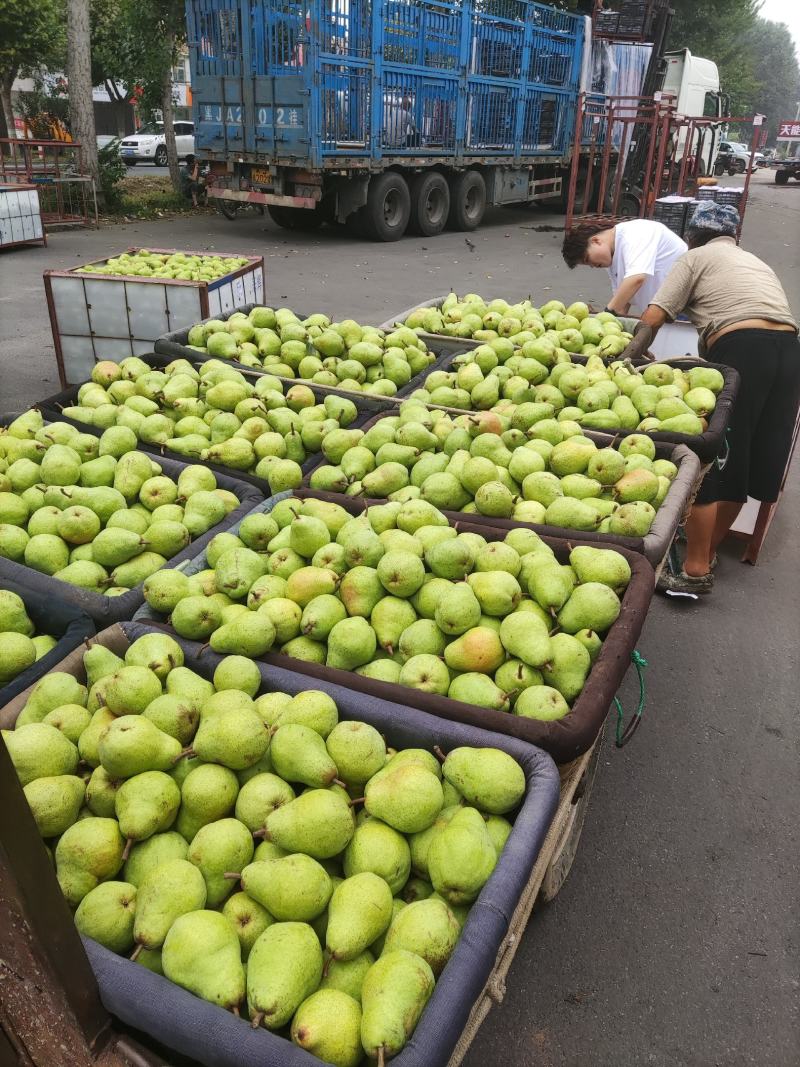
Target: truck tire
[[430, 204], [295, 218], [719, 169], [467, 201], [781, 177], [385, 215]]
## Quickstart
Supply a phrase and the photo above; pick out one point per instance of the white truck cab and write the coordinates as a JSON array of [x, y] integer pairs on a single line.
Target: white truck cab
[[693, 83]]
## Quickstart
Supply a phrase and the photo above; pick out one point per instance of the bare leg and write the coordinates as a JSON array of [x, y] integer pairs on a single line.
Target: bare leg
[[727, 510], [699, 533]]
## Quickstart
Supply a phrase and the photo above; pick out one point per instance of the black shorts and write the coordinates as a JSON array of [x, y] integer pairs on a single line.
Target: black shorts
[[764, 415]]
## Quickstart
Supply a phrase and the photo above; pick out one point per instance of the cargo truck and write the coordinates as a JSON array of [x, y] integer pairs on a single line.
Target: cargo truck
[[389, 115]]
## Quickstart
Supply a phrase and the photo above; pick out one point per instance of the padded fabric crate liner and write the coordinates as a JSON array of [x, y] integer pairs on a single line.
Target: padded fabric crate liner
[[108, 609], [52, 616]]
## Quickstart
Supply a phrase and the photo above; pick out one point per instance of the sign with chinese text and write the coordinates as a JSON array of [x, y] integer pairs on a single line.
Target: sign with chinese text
[[789, 131]]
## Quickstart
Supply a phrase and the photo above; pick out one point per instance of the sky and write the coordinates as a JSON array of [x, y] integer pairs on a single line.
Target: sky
[[787, 11]]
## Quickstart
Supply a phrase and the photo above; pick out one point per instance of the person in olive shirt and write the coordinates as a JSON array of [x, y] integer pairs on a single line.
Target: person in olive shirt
[[740, 309]]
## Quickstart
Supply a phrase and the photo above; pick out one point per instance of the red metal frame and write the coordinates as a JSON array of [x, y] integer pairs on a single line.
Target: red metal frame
[[56, 165], [669, 168]]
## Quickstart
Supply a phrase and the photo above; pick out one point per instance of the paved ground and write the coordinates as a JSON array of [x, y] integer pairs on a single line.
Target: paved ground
[[675, 941]]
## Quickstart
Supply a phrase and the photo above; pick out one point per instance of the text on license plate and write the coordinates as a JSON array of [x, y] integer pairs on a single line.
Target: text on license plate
[[261, 176]]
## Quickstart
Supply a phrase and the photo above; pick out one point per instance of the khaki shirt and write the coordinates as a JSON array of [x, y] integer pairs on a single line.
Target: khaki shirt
[[720, 284]]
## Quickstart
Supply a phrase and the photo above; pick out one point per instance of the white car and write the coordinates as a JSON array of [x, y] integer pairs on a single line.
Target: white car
[[148, 144]]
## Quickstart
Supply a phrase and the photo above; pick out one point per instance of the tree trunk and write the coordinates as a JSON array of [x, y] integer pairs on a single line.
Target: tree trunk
[[79, 78], [169, 125], [6, 82]]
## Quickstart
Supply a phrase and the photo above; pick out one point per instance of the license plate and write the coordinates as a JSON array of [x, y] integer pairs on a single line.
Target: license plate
[[128, 151], [261, 176]]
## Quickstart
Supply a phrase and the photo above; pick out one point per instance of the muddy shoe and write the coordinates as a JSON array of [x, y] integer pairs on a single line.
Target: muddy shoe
[[685, 584]]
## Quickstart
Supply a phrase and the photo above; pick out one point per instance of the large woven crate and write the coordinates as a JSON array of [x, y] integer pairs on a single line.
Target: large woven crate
[[565, 739], [209, 1035], [368, 407], [108, 609]]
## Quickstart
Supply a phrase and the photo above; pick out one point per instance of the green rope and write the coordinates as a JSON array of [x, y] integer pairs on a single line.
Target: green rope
[[623, 735]]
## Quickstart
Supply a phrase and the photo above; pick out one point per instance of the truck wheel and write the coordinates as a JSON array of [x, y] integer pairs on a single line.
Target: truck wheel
[[719, 169], [781, 177], [430, 204], [295, 218], [385, 215], [467, 201]]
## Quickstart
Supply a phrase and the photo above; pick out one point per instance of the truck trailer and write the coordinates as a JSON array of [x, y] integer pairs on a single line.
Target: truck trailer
[[389, 115]]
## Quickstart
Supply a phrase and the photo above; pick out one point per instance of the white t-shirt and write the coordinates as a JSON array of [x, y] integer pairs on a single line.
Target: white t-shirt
[[642, 246]]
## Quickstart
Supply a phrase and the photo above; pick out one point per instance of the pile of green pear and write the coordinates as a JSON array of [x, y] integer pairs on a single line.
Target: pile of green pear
[[498, 377], [257, 850], [183, 265], [20, 645], [525, 466], [553, 326], [341, 354], [399, 595], [214, 414], [90, 511]]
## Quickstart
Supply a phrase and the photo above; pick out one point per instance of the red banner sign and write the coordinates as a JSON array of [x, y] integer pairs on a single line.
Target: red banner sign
[[789, 131]]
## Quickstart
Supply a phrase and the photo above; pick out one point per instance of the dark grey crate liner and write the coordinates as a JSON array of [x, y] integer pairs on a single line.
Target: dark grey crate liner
[[653, 545], [210, 1036], [175, 345], [107, 609], [367, 406], [565, 739], [50, 615]]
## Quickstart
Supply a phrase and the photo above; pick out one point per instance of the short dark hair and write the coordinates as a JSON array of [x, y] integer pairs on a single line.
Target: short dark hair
[[576, 241], [698, 238], [190, 158]]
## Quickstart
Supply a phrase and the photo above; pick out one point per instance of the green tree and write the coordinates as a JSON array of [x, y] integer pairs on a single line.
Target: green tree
[[775, 70], [31, 35], [152, 33], [715, 29]]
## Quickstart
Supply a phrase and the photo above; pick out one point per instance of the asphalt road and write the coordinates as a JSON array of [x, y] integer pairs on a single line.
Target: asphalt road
[[674, 943]]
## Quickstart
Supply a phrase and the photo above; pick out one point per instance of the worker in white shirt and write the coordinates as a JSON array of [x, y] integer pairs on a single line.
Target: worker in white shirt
[[638, 256]]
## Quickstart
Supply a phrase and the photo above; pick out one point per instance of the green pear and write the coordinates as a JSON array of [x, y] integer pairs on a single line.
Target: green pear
[[53, 691], [461, 857], [601, 565], [299, 754], [420, 843], [313, 709], [39, 750], [526, 637], [201, 953], [427, 928], [541, 702], [70, 719], [479, 689], [166, 892], [259, 796], [249, 634], [378, 848], [283, 968], [87, 853], [132, 745], [487, 778], [237, 739], [106, 914], [208, 793], [568, 667], [406, 796], [328, 1026], [347, 975], [55, 802], [394, 994], [151, 853], [479, 649], [592, 606], [360, 911], [292, 888], [219, 847], [318, 823], [351, 643], [248, 918], [458, 610], [422, 637], [145, 805], [131, 689], [358, 750]]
